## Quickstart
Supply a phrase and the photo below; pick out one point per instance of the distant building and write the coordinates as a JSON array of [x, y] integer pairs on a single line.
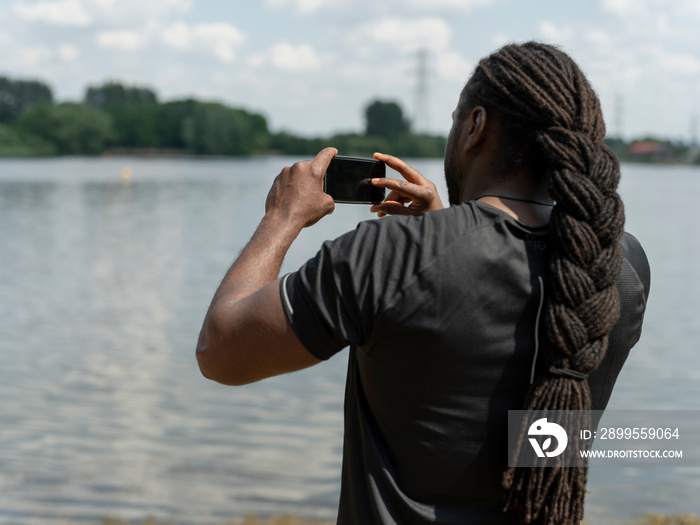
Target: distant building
[[650, 150]]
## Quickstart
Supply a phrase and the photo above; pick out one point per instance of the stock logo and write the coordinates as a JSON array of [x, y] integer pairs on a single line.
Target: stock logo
[[542, 428]]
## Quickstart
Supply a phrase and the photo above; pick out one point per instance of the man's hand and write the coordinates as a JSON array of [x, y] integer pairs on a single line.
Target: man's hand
[[297, 192], [419, 193]]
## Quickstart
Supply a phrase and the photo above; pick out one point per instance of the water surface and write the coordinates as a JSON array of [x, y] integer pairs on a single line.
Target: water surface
[[103, 286]]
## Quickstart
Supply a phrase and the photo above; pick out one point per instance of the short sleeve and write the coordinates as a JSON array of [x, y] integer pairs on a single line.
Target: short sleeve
[[332, 299], [634, 253]]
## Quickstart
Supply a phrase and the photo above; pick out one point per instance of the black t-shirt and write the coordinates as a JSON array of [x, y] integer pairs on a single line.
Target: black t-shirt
[[440, 312]]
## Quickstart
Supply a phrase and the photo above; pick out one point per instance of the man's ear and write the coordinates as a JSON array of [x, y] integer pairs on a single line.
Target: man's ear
[[476, 127]]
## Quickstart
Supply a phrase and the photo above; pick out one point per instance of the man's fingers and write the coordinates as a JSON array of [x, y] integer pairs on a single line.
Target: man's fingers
[[397, 197], [409, 173], [391, 208], [393, 184], [323, 159], [402, 187]]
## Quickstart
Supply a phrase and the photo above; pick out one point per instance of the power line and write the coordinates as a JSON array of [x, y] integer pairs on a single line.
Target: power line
[[421, 114], [694, 130], [619, 115]]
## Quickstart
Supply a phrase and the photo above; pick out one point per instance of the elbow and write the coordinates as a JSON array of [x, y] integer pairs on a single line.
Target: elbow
[[203, 354], [211, 366], [217, 357]]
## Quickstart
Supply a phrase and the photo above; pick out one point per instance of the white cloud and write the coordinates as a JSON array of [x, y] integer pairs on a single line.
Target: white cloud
[[224, 39], [301, 6], [179, 36], [220, 39], [501, 39], [622, 7], [651, 8], [598, 37], [440, 5], [407, 34], [286, 56], [452, 66], [106, 13], [33, 56], [5, 40], [152, 14], [689, 7], [257, 60], [373, 7], [654, 20], [68, 53], [684, 65], [125, 40], [141, 12], [557, 34], [60, 12]]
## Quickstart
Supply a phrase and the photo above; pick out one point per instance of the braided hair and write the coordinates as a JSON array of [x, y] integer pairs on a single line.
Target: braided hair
[[550, 118]]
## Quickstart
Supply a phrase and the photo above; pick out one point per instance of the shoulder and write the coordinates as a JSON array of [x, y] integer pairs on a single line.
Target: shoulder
[[385, 255], [415, 239], [440, 224], [394, 249]]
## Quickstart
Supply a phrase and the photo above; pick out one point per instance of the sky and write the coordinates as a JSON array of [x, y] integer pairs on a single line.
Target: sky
[[312, 66]]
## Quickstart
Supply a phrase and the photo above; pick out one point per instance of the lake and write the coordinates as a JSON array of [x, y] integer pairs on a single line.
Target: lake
[[104, 281]]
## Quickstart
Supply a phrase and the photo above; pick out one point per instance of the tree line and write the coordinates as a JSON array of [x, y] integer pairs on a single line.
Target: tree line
[[116, 118]]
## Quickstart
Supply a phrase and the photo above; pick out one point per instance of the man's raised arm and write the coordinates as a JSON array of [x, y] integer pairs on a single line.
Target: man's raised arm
[[246, 335]]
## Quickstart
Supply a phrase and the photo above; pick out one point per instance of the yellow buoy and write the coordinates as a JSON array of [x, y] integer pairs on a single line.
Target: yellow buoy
[[127, 173]]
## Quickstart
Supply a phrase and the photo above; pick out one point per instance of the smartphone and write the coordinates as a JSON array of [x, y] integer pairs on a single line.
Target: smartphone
[[348, 180]]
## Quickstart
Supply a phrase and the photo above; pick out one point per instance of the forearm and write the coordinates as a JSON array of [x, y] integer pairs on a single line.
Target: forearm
[[260, 261]]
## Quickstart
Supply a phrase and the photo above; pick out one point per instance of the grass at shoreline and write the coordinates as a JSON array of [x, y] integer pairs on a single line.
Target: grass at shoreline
[[247, 520], [675, 519], [646, 519]]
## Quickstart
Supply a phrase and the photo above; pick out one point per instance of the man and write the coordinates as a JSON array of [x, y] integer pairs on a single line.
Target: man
[[505, 300]]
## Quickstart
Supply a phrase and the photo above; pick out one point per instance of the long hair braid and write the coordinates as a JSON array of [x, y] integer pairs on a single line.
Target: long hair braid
[[552, 114]]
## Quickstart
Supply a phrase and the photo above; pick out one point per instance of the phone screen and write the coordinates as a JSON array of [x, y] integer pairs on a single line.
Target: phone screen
[[348, 180]]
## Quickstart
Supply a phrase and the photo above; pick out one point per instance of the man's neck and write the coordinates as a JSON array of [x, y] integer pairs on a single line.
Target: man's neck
[[520, 194], [527, 212]]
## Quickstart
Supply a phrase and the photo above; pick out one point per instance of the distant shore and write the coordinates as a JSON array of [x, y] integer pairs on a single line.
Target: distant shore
[[346, 145], [186, 155], [131, 119]]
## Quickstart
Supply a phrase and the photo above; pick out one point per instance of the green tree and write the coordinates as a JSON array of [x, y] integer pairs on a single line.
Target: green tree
[[134, 111], [170, 121], [19, 95], [290, 144], [385, 119], [359, 145], [618, 146], [422, 145], [214, 129], [73, 129], [117, 95], [136, 126], [14, 144]]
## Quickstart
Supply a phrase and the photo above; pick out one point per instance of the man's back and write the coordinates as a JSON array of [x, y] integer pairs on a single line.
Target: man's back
[[441, 312]]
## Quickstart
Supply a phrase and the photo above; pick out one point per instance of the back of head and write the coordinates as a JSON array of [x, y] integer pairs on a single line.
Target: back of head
[[552, 118]]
